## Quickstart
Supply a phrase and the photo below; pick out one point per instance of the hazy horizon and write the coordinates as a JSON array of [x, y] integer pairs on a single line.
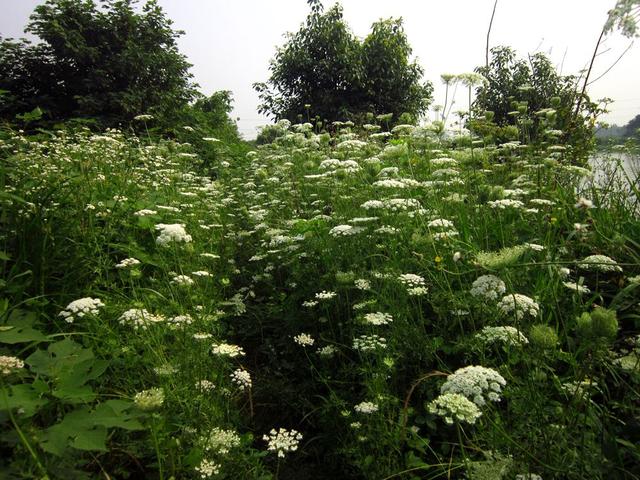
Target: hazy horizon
[[230, 43]]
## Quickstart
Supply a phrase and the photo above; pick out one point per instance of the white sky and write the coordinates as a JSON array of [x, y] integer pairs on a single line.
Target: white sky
[[230, 42]]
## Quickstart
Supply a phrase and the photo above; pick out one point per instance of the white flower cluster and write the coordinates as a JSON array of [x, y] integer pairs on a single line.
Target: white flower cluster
[[362, 284], [241, 378], [366, 343], [477, 383], [324, 295], [10, 364], [128, 262], [182, 280], [378, 318], [444, 162], [205, 385], [455, 407], [207, 469], [139, 318], [151, 399], [600, 263], [304, 339], [584, 204], [227, 350], [282, 441], [220, 441], [577, 287], [519, 305], [366, 408], [327, 351], [180, 320], [411, 280], [528, 476], [145, 212], [505, 203], [170, 233], [440, 223], [81, 307], [344, 231], [507, 335], [488, 286]]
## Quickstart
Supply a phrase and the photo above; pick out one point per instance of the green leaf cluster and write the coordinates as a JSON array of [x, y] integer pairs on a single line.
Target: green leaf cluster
[[324, 71]]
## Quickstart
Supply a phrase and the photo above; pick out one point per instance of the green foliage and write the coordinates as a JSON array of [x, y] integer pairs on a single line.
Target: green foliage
[[323, 71], [632, 129], [534, 97], [98, 63]]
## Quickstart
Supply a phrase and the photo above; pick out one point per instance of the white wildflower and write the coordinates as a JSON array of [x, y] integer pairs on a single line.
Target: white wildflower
[[128, 262], [241, 378], [227, 350], [455, 407], [477, 383], [519, 305], [366, 407], [600, 263], [488, 286], [10, 364], [282, 441], [304, 339], [378, 318], [172, 233], [81, 307]]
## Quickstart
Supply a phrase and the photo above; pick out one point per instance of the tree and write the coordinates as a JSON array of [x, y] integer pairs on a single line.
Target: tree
[[324, 70], [104, 62], [632, 129], [533, 96]]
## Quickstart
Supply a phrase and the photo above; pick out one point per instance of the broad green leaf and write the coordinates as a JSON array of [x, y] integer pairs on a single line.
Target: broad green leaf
[[113, 413], [91, 439], [23, 398], [20, 334]]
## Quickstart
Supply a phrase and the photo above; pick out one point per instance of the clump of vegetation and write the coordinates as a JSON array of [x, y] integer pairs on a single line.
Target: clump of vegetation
[[343, 300], [323, 72]]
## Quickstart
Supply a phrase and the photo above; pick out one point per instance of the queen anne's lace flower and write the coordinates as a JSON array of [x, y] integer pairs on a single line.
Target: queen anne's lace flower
[[505, 203], [440, 223], [81, 307], [139, 318], [282, 441], [378, 318], [183, 280], [304, 339], [488, 286], [227, 350], [477, 383], [220, 441], [344, 231], [128, 262], [170, 233], [151, 399], [508, 335], [519, 305], [411, 280], [207, 469], [324, 295], [600, 263], [366, 407], [576, 287], [366, 343], [241, 378], [9, 365], [455, 407]]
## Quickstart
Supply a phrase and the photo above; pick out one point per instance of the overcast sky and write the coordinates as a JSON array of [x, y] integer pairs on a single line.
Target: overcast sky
[[230, 42]]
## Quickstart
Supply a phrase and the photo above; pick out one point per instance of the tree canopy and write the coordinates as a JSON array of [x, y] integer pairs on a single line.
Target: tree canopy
[[323, 70], [105, 62], [532, 94]]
